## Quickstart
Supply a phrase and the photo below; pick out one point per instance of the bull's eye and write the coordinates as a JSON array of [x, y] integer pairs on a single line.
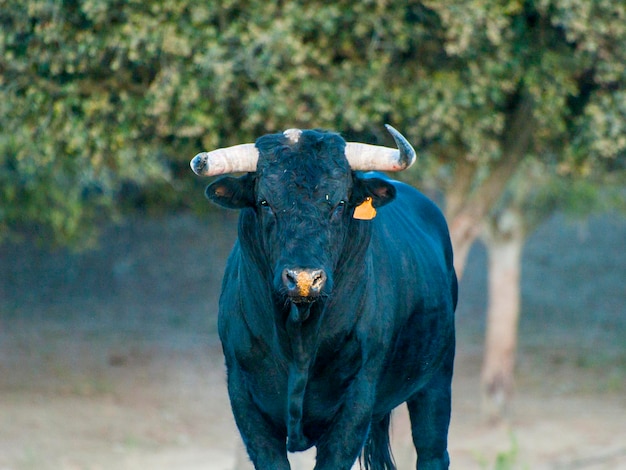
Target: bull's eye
[[338, 210], [265, 206]]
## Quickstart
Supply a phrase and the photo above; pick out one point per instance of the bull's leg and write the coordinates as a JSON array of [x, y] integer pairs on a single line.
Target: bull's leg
[[429, 410], [265, 444], [341, 446]]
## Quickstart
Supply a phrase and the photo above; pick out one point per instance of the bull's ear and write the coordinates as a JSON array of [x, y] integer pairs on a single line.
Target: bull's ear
[[231, 192], [379, 190]]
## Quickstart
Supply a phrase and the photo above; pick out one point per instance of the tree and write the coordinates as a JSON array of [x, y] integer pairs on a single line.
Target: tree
[[73, 116], [504, 236], [537, 79], [528, 78], [535, 193], [111, 92]]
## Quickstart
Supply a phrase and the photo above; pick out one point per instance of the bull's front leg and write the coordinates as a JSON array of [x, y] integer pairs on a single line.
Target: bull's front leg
[[341, 445], [265, 444]]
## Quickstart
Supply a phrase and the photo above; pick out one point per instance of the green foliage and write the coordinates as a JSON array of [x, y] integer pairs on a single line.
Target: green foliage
[[508, 460], [504, 460], [100, 94]]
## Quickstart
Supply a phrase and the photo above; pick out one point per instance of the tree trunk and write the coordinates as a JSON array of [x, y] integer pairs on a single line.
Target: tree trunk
[[504, 238], [468, 206], [464, 230]]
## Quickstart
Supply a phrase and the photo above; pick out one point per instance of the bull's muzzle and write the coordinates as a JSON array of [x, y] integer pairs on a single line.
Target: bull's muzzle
[[303, 285]]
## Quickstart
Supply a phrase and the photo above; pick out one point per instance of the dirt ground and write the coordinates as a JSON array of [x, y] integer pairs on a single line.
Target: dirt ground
[[110, 360]]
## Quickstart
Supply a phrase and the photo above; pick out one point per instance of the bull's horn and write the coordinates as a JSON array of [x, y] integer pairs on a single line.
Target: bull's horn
[[365, 157], [238, 158]]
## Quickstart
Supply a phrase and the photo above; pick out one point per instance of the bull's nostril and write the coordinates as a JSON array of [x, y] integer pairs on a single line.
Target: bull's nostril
[[290, 279], [303, 282], [318, 280]]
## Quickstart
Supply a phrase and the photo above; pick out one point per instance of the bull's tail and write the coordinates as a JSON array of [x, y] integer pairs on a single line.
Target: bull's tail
[[377, 451]]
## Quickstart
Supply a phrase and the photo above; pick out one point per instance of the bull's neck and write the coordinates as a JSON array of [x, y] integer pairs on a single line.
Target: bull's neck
[[351, 265]]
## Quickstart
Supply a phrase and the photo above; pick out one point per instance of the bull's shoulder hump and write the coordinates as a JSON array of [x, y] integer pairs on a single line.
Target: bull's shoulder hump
[[414, 205]]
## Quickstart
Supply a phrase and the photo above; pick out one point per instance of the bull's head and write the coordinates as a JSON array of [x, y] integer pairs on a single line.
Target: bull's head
[[303, 192]]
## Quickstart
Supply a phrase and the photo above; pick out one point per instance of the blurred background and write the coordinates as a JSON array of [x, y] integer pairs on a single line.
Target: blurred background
[[111, 259]]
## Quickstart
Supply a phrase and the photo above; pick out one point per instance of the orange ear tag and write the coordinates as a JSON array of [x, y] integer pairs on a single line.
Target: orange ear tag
[[365, 210]]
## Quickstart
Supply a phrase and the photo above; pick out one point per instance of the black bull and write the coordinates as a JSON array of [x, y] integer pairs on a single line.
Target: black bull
[[327, 321]]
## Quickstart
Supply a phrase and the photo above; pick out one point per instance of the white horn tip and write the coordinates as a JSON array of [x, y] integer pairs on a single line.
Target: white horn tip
[[293, 135]]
